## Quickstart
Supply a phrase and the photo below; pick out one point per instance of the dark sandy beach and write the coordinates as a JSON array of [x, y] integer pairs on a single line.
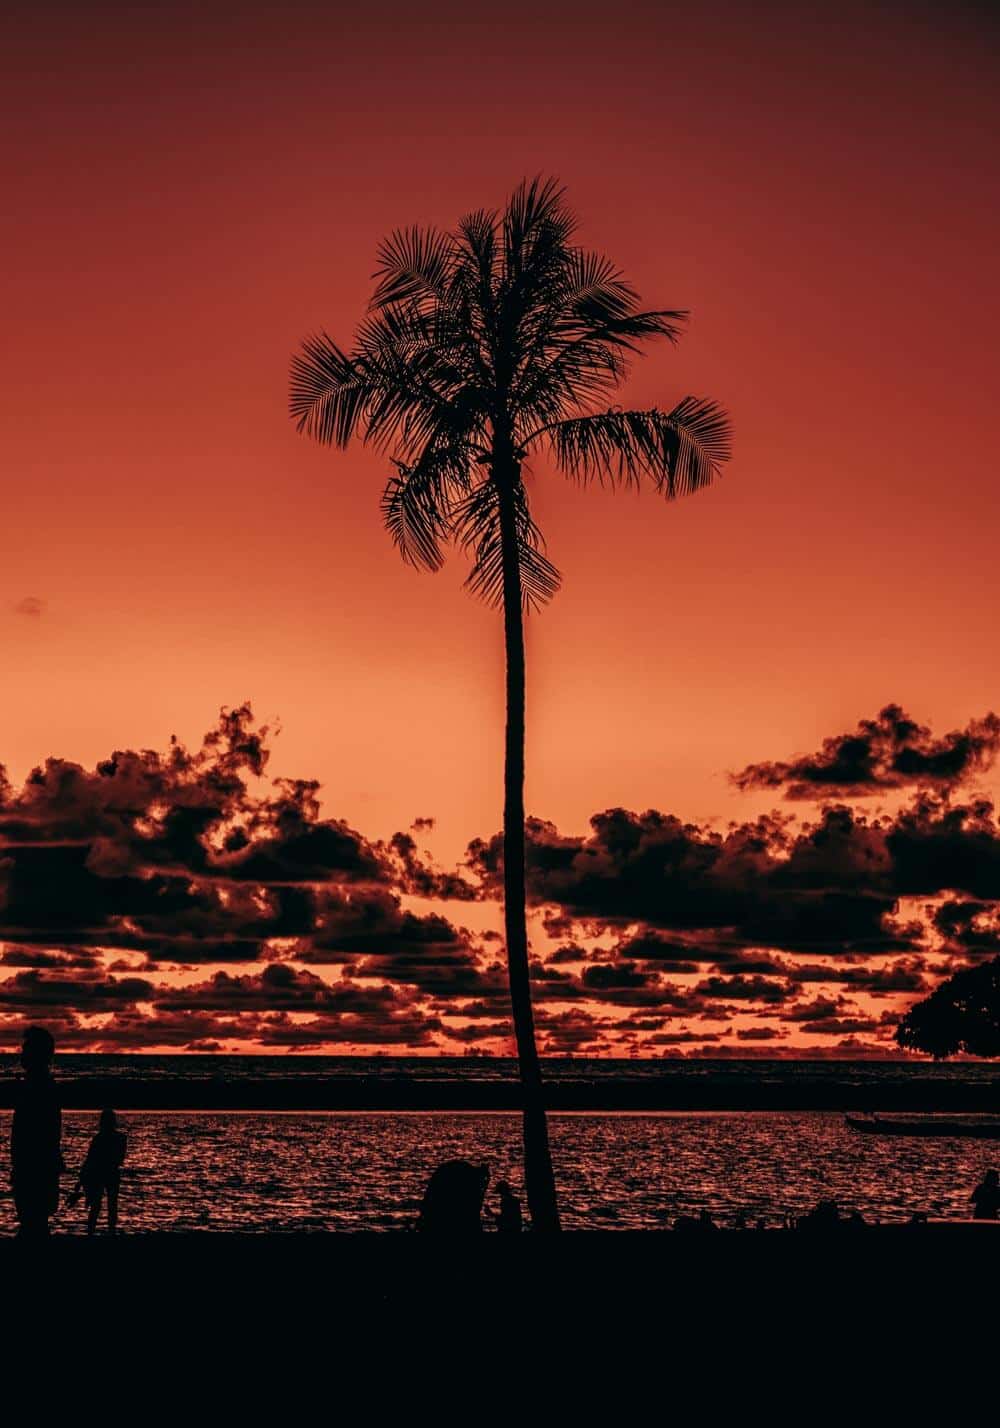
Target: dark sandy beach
[[729, 1282], [777, 1327]]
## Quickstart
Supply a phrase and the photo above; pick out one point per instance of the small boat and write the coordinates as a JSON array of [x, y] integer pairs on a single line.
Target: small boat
[[925, 1125]]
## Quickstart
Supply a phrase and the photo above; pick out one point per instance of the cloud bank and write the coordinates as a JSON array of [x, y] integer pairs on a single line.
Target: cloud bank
[[182, 899]]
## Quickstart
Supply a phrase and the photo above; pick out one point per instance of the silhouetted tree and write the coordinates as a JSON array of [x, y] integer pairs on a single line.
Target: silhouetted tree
[[483, 349], [962, 1014]]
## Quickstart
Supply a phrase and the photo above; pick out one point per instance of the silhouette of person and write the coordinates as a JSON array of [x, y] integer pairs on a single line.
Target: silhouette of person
[[825, 1215], [101, 1172], [35, 1156], [509, 1218], [986, 1197], [453, 1200]]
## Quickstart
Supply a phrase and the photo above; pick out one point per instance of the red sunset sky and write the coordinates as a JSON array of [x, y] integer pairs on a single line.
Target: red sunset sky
[[190, 190]]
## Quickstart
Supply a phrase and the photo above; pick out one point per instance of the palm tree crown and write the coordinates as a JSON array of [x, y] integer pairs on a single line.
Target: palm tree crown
[[483, 348]]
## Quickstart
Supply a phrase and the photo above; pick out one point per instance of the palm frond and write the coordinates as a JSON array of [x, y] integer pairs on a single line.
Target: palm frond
[[477, 525], [418, 502], [422, 380], [413, 264], [573, 362], [681, 451], [478, 232], [327, 392], [536, 213]]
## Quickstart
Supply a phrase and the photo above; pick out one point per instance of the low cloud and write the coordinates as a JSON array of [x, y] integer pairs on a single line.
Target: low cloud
[[885, 753], [184, 899]]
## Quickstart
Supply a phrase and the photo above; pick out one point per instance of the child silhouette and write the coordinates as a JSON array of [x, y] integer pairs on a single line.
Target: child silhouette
[[101, 1172]]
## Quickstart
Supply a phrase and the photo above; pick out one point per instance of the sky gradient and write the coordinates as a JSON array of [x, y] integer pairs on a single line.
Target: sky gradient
[[188, 194]]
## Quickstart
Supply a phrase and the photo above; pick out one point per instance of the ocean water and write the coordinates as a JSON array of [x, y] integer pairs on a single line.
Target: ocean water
[[272, 1173], [298, 1067]]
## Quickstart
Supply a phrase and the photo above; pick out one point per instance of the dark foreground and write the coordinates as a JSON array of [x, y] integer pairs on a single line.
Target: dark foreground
[[486, 1275], [777, 1325]]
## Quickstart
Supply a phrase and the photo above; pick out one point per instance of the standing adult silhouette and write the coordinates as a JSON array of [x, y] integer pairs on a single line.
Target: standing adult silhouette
[[35, 1152]]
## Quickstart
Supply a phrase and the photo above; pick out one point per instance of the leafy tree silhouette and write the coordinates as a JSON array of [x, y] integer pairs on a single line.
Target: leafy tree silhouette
[[962, 1014], [482, 349]]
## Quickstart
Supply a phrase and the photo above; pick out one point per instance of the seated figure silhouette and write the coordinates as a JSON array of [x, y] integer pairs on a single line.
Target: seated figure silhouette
[[825, 1215], [101, 1172], [509, 1219], [702, 1221], [986, 1197], [35, 1137], [453, 1200]]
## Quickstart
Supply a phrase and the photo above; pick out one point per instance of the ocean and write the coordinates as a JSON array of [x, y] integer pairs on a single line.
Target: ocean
[[272, 1173], [296, 1168], [305, 1082]]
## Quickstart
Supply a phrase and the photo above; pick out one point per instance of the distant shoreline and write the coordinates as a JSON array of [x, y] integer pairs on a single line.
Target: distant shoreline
[[402, 1093]]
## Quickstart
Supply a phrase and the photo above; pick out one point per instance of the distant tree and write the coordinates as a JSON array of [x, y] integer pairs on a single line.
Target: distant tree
[[962, 1014], [483, 349]]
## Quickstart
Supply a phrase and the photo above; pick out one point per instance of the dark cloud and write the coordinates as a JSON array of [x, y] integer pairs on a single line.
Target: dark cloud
[[15, 956], [838, 1026], [181, 899], [905, 975], [681, 1038], [279, 986], [192, 1030], [479, 1031], [419, 876], [971, 929], [623, 984], [442, 972], [566, 955], [190, 858], [350, 922], [562, 1033], [938, 847], [669, 951], [827, 889], [686, 894], [747, 989], [176, 856], [884, 753], [84, 991]]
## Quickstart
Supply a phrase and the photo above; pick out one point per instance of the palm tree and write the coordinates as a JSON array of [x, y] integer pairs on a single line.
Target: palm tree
[[483, 349]]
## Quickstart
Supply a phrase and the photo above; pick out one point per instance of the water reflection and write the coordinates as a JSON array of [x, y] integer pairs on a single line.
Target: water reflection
[[273, 1173]]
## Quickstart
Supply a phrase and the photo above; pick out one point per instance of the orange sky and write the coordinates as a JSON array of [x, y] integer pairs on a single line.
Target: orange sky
[[187, 193]]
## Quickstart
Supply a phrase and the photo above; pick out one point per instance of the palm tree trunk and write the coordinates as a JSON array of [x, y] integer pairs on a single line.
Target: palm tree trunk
[[539, 1181]]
